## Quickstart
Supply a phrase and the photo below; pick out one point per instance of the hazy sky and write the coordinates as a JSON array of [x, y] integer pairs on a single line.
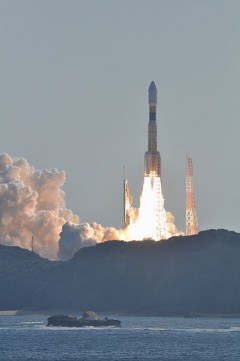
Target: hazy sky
[[74, 78]]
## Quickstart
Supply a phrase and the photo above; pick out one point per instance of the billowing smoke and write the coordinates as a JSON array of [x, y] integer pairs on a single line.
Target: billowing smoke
[[171, 228], [32, 204], [73, 237], [76, 236]]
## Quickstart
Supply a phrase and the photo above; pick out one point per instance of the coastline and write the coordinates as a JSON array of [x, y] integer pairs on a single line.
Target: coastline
[[108, 313], [9, 313]]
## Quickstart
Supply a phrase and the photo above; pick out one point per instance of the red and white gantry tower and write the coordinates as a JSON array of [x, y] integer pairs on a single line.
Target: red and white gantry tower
[[191, 214]]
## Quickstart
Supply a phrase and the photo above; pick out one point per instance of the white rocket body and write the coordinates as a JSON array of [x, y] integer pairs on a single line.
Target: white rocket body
[[152, 159]]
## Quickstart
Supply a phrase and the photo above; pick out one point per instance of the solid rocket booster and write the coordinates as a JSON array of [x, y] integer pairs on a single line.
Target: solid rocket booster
[[152, 159]]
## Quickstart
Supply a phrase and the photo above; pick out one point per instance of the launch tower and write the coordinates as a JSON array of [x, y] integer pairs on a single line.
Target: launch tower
[[191, 214], [127, 203]]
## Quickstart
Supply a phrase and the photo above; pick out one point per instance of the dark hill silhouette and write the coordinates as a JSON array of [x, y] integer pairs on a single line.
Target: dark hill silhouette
[[21, 273], [182, 276]]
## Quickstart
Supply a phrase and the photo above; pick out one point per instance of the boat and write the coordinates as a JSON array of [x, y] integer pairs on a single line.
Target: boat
[[89, 318]]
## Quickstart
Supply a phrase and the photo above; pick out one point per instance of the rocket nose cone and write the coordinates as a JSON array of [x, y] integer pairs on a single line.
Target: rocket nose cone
[[152, 93], [152, 85]]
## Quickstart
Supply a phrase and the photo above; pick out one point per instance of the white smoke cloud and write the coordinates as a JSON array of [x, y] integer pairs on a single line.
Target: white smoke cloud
[[76, 236], [72, 239], [32, 203], [171, 228]]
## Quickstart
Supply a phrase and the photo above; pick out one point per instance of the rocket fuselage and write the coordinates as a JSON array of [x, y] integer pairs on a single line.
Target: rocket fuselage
[[152, 159]]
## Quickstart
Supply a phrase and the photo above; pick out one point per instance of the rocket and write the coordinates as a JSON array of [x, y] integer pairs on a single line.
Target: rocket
[[150, 219], [152, 159]]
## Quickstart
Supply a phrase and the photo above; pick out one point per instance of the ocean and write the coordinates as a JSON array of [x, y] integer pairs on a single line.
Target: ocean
[[26, 337]]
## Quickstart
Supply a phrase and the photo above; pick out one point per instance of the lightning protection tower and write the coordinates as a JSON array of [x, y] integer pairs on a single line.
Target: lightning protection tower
[[127, 202], [191, 214]]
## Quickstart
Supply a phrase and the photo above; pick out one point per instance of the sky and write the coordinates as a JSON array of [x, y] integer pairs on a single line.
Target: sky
[[74, 95]]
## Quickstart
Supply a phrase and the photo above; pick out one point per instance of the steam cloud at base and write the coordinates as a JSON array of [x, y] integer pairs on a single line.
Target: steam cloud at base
[[74, 237], [32, 203]]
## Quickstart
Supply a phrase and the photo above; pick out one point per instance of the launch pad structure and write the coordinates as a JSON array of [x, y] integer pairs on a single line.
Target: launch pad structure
[[191, 213], [149, 220], [127, 203]]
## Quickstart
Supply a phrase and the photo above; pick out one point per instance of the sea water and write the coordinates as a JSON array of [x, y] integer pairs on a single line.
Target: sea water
[[27, 337]]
